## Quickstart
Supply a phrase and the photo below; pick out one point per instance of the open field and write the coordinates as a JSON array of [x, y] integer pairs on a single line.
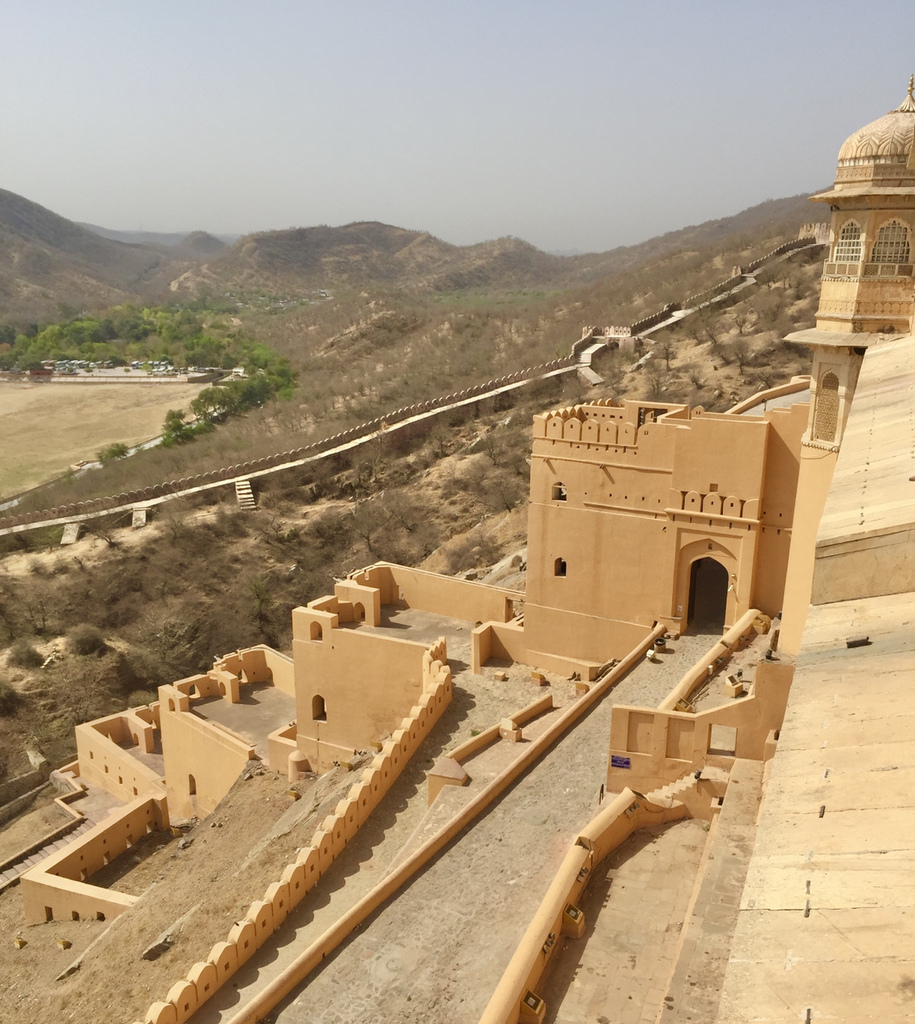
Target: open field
[[47, 427]]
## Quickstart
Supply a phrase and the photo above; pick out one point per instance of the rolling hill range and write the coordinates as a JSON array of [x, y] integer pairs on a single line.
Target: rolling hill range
[[49, 263], [371, 253]]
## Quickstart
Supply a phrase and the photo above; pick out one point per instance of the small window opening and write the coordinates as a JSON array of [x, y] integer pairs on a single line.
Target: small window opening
[[848, 247], [316, 632], [559, 567], [191, 786], [892, 245], [559, 492], [318, 710]]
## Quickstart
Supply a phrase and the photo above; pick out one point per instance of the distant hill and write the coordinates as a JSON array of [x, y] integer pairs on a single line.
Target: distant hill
[[200, 244], [153, 238], [366, 253], [49, 264]]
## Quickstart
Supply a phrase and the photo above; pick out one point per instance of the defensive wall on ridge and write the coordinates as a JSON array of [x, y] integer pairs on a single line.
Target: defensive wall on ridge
[[390, 422]]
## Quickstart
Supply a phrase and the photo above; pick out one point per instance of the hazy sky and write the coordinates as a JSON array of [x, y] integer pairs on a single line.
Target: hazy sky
[[574, 124]]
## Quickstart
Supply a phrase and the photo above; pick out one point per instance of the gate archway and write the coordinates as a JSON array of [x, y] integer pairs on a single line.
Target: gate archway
[[708, 594]]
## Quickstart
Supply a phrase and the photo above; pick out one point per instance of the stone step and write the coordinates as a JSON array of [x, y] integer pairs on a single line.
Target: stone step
[[244, 495]]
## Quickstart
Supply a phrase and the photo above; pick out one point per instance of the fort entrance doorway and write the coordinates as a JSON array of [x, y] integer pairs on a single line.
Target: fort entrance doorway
[[708, 595]]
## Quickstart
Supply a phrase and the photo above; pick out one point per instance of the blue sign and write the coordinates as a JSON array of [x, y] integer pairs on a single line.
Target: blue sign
[[616, 761]]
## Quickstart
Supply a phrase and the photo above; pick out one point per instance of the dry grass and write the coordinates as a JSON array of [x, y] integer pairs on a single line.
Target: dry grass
[[47, 427]]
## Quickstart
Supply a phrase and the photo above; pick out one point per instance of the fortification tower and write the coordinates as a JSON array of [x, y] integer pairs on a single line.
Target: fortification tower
[[868, 295], [867, 280]]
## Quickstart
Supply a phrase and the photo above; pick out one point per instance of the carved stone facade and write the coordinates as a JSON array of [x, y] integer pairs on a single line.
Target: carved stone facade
[[868, 282]]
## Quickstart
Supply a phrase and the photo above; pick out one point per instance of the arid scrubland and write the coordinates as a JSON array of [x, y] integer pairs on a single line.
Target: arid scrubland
[[207, 579], [359, 355]]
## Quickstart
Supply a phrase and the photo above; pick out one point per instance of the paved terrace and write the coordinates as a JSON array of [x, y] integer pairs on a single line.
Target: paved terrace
[[260, 709], [826, 929], [421, 958]]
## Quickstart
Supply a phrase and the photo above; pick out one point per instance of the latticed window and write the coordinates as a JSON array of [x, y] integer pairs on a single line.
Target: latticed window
[[827, 413], [892, 245], [848, 247]]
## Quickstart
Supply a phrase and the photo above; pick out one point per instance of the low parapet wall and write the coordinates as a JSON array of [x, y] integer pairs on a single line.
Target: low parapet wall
[[58, 888], [266, 915], [751, 622], [650, 747], [515, 997], [797, 385], [441, 595], [509, 641], [447, 770]]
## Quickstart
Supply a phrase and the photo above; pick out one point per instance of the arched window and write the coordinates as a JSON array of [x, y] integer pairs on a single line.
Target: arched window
[[827, 415], [892, 245], [316, 632], [559, 491], [848, 247], [318, 710], [191, 786], [559, 567]]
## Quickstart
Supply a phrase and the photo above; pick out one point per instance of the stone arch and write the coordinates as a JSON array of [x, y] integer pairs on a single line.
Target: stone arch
[[318, 708], [315, 631], [685, 591], [708, 593], [892, 245]]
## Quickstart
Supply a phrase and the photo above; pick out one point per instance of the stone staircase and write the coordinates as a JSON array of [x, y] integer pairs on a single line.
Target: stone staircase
[[10, 871], [245, 496], [666, 796]]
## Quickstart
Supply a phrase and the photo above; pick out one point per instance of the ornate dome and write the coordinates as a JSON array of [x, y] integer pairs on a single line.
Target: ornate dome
[[886, 140]]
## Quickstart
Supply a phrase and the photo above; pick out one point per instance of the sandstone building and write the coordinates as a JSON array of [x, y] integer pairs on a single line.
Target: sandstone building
[[646, 520]]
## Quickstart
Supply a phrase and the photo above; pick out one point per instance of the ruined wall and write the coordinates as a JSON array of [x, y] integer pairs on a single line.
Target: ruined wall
[[650, 747], [442, 595], [260, 664], [105, 763]]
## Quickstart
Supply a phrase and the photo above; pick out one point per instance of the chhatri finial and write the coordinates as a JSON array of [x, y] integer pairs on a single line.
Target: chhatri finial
[[908, 104]]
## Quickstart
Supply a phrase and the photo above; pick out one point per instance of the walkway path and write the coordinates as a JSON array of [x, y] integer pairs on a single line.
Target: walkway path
[[634, 909], [411, 961], [88, 807]]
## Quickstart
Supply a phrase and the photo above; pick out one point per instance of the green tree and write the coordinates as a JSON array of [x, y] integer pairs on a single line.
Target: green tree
[[118, 450]]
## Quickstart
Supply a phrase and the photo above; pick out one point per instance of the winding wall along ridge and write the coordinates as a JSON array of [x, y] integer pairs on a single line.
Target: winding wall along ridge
[[227, 475]]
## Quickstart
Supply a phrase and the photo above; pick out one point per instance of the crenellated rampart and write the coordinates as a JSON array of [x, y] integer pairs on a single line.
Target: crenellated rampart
[[265, 915]]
